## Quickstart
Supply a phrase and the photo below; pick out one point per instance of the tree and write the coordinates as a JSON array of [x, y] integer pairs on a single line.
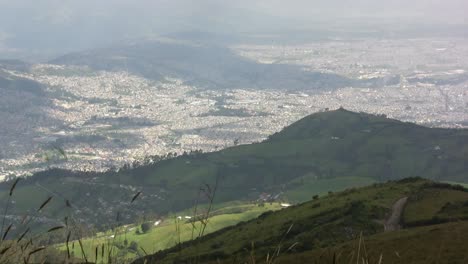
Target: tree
[[145, 227], [133, 246]]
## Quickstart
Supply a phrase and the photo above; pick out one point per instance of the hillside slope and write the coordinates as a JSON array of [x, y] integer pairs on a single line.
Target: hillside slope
[[207, 66], [333, 225], [24, 105], [327, 151]]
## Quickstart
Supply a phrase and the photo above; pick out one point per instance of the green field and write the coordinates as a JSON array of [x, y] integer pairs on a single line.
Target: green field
[[165, 235], [334, 222]]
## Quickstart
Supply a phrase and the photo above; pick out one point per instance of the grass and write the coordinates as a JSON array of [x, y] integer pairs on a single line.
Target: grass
[[308, 186], [165, 234], [441, 244], [18, 244], [336, 228], [324, 152], [330, 210], [332, 224], [327, 151], [435, 203], [457, 183]]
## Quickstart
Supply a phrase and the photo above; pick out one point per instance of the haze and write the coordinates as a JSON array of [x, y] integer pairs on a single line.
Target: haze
[[50, 27]]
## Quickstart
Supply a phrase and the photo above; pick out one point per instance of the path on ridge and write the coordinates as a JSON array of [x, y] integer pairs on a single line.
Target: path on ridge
[[393, 222]]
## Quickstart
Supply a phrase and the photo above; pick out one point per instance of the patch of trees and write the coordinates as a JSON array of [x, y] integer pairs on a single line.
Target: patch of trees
[[146, 227]]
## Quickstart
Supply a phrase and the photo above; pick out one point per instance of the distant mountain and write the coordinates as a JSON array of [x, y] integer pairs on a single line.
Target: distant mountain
[[23, 104], [355, 224], [323, 152], [206, 66], [19, 84], [15, 65], [17, 93]]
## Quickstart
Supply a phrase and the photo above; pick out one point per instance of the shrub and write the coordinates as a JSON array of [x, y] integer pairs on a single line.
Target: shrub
[[410, 180], [133, 246], [145, 227]]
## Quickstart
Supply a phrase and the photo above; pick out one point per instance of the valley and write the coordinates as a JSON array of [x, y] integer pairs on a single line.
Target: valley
[[323, 152], [243, 132], [103, 117]]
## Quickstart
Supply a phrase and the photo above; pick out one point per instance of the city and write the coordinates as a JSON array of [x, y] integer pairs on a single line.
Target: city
[[103, 119]]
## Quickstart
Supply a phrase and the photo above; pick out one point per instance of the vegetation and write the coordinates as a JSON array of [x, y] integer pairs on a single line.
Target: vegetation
[[337, 227], [131, 241], [443, 243], [327, 151], [27, 246], [437, 203]]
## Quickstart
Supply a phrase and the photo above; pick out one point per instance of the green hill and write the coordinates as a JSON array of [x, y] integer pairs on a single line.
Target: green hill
[[343, 225], [129, 242], [328, 151]]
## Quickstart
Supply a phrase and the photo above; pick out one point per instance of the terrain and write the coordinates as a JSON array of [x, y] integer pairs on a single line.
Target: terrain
[[236, 132], [130, 241], [207, 66], [327, 151], [21, 110], [344, 227], [107, 107]]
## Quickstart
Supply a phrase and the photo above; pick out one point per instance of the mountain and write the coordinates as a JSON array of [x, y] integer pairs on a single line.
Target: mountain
[[206, 66], [15, 83], [22, 103], [327, 151], [362, 224], [15, 65]]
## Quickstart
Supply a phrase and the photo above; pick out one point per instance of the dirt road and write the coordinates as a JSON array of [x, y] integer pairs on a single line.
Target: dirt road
[[393, 222]]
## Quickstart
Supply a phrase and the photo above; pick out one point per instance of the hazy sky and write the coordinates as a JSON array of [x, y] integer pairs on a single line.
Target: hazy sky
[[76, 24], [446, 8]]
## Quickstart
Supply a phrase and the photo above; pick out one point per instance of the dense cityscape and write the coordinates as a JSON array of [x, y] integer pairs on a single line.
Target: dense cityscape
[[97, 120], [259, 131]]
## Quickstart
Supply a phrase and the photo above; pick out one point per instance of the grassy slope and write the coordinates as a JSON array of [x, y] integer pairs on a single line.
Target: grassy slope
[[165, 235], [327, 151], [434, 205], [458, 183], [442, 244], [329, 222]]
